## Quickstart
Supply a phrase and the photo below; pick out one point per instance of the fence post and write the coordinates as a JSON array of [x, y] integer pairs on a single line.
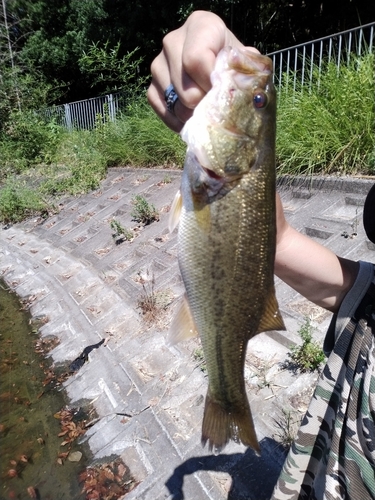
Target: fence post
[[68, 117], [111, 108]]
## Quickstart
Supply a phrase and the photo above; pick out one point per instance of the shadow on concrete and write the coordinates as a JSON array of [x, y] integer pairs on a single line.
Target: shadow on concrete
[[253, 477]]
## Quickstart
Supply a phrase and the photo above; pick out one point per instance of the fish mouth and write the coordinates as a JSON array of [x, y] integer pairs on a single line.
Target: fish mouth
[[249, 62], [213, 175], [220, 182], [213, 182]]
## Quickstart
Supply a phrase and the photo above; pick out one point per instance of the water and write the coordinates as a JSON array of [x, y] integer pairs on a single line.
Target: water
[[29, 444]]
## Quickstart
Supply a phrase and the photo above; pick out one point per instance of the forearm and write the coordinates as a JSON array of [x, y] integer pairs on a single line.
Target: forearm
[[310, 268]]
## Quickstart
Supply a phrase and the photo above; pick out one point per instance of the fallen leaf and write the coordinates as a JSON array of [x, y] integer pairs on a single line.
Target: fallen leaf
[[109, 474], [121, 470]]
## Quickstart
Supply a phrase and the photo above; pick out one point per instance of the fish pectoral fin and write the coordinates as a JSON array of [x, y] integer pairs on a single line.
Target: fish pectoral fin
[[271, 318], [175, 211], [183, 326]]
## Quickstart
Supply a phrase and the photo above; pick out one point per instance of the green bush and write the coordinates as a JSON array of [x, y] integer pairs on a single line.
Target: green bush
[[330, 126], [138, 138], [143, 211], [27, 140], [18, 202], [78, 165], [309, 355]]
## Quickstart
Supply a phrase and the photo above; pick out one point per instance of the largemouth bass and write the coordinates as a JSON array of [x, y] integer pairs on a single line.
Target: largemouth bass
[[226, 236]]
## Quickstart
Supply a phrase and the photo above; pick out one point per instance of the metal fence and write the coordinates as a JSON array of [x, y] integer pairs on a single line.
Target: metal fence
[[299, 62], [87, 113]]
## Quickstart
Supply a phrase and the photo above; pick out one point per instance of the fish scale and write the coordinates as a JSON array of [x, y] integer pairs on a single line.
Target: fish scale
[[226, 235]]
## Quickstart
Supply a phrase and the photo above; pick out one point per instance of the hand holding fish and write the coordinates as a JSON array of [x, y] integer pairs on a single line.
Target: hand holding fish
[[186, 61]]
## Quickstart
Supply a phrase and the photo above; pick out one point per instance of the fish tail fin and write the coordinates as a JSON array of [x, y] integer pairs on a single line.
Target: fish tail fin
[[220, 426]]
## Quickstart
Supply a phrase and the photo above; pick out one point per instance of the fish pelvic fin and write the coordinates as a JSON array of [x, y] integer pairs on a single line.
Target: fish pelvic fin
[[175, 211], [182, 326], [220, 426], [271, 318]]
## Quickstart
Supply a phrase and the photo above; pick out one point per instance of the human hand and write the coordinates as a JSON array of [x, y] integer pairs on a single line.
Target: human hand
[[187, 60]]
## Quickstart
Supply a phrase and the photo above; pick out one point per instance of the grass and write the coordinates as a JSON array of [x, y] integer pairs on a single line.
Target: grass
[[288, 423], [308, 356], [120, 233], [17, 202], [41, 162], [153, 304], [329, 128], [140, 139], [143, 212]]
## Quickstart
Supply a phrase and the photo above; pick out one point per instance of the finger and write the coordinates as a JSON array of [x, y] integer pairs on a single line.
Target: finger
[[156, 95], [208, 32], [156, 100], [188, 91]]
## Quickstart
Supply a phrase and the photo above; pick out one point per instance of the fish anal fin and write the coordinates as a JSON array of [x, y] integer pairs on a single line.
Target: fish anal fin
[[182, 326], [175, 211], [271, 318], [220, 426]]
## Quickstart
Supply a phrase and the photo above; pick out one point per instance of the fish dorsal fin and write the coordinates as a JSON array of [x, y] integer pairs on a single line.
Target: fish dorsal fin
[[271, 318], [175, 211], [183, 326]]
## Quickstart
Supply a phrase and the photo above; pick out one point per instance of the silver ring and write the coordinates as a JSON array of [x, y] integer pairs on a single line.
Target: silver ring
[[170, 97]]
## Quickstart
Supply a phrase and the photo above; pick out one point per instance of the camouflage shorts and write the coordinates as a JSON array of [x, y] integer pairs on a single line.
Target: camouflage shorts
[[333, 456]]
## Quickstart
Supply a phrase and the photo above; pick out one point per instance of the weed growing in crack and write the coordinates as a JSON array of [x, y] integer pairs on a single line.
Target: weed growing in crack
[[167, 179], [143, 211], [120, 233], [153, 303], [309, 355], [288, 424]]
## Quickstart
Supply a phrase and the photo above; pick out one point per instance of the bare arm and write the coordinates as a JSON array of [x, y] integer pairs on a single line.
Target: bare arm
[[310, 268]]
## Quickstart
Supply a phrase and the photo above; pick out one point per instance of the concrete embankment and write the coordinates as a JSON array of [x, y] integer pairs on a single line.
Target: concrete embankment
[[84, 285]]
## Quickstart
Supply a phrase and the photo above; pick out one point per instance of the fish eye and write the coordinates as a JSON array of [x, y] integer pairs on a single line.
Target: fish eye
[[260, 100]]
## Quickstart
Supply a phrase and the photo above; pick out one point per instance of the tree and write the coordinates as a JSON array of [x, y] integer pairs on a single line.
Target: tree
[[109, 72], [49, 38], [21, 87]]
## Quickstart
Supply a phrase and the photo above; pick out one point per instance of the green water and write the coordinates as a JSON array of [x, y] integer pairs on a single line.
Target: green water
[[28, 428]]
